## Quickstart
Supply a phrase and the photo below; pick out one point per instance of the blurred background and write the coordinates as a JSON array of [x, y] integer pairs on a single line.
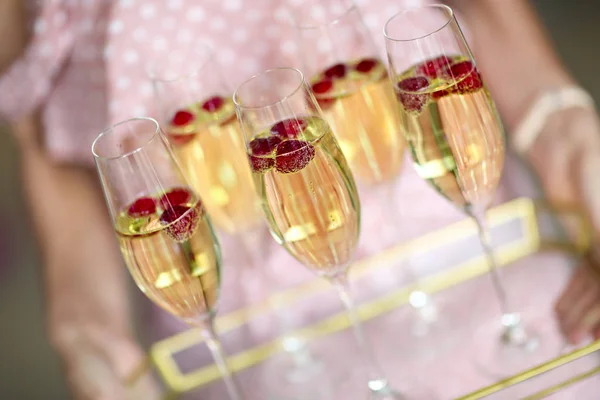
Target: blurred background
[[30, 370]]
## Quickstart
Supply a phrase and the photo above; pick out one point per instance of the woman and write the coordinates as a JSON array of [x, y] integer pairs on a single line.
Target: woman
[[80, 68]]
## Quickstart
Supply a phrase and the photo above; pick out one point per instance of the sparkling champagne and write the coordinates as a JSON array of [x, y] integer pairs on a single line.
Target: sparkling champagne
[[452, 129], [172, 254], [358, 102], [307, 192], [210, 147]]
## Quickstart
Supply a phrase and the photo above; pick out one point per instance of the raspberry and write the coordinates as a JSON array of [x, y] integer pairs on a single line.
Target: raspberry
[[435, 67], [175, 197], [336, 71], [213, 104], [142, 207], [413, 101], [289, 128], [181, 221], [293, 155], [366, 65], [467, 77], [259, 148]]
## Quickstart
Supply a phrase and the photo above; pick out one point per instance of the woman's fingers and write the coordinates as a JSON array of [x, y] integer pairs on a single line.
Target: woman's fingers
[[145, 387], [589, 324], [597, 332], [571, 294], [91, 377], [98, 361], [572, 320], [578, 308]]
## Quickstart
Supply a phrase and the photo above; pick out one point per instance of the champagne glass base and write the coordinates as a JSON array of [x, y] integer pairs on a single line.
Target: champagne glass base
[[505, 350], [428, 324], [412, 393], [415, 389]]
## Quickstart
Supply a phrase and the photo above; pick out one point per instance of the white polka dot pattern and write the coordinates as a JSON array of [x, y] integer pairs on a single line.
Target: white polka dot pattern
[[196, 14], [130, 57], [126, 3], [148, 11], [116, 27], [232, 5], [114, 40]]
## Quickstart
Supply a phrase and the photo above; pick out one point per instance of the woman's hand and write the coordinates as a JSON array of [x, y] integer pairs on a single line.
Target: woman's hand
[[578, 307], [566, 157], [98, 361]]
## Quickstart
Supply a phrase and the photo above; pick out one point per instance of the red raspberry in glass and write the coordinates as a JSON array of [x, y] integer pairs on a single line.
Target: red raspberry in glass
[[289, 128], [142, 207], [261, 150], [320, 88], [213, 104], [181, 119], [467, 77], [435, 67], [335, 71], [264, 146], [293, 155], [323, 86], [438, 94], [407, 92], [366, 65], [175, 197], [261, 164], [181, 221]]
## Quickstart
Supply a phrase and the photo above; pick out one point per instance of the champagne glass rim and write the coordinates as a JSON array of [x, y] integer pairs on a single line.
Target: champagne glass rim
[[450, 17], [236, 96], [110, 129], [154, 76], [347, 10]]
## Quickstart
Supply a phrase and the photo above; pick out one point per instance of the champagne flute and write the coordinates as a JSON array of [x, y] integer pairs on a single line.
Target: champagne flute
[[456, 141], [351, 85], [195, 102], [195, 105], [165, 236], [307, 191]]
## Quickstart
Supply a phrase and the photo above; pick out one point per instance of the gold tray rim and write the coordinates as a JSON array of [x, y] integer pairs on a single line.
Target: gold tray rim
[[539, 370]]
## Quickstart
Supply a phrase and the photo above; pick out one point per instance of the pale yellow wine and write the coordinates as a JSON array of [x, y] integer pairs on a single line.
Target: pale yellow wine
[[211, 149], [175, 261], [361, 109], [308, 194], [453, 131]]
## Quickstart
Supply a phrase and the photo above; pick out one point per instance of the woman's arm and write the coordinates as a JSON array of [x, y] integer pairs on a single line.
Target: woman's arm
[[86, 299], [13, 31], [86, 296]]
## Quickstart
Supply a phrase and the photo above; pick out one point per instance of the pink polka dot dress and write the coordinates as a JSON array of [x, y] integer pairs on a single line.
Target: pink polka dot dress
[[86, 64]]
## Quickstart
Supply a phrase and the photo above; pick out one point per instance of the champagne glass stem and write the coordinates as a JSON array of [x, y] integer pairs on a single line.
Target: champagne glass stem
[[214, 345], [419, 301], [250, 241], [377, 383], [511, 321], [292, 344]]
